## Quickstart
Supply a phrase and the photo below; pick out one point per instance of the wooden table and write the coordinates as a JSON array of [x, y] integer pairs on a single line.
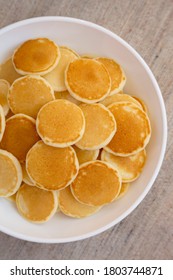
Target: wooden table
[[148, 27]]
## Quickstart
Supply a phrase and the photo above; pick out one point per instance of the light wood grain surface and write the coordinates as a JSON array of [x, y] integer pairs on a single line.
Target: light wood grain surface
[[148, 27]]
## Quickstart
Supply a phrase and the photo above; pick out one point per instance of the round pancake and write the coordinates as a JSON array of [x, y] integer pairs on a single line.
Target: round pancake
[[10, 174], [66, 95], [28, 94], [133, 129], [85, 155], [118, 78], [87, 80], [129, 167], [2, 122], [51, 168], [144, 107], [36, 56], [7, 71], [100, 127], [19, 136], [57, 76], [96, 184], [36, 205], [26, 178], [4, 89], [60, 123], [124, 190], [120, 97]]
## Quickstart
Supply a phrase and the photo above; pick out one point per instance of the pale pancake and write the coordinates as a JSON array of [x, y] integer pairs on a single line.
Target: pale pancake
[[57, 76], [73, 208], [124, 190], [87, 80], [4, 89], [26, 178], [118, 78], [36, 205], [7, 71], [144, 107], [2, 123], [10, 174], [36, 56], [19, 136], [100, 127], [66, 95], [129, 167], [28, 94], [133, 129], [60, 123], [85, 155], [51, 168], [120, 97], [96, 184]]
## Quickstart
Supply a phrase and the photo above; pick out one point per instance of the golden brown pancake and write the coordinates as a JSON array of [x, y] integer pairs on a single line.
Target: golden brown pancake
[[26, 178], [124, 190], [120, 97], [19, 136], [28, 94], [57, 76], [100, 127], [60, 123], [36, 205], [73, 208], [133, 129], [7, 71], [4, 89], [10, 174], [36, 56], [85, 155], [129, 167], [87, 80], [144, 107], [66, 95], [51, 168], [2, 122], [96, 184], [118, 78]]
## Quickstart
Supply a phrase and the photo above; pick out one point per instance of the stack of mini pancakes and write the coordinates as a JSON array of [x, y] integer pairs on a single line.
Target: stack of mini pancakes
[[70, 139]]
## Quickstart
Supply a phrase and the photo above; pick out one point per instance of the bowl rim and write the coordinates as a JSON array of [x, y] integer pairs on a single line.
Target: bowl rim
[[164, 127]]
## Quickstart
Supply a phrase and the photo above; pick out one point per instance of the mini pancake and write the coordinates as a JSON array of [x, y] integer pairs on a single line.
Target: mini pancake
[[87, 80], [73, 208], [120, 97], [2, 122], [144, 107], [26, 178], [36, 205], [129, 167], [36, 56], [66, 95], [7, 71], [19, 136], [96, 184], [60, 123], [4, 89], [85, 155], [118, 78], [124, 190], [133, 129], [51, 168], [10, 174], [28, 94], [100, 127], [57, 76]]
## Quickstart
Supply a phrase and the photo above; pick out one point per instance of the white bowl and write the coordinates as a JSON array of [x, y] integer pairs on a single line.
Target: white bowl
[[88, 38]]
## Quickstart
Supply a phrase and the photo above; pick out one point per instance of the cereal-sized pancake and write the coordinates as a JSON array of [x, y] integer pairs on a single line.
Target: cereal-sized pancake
[[144, 107], [7, 71], [124, 190], [36, 56], [73, 208], [96, 184], [87, 80], [129, 167], [51, 168], [2, 122], [60, 123], [19, 136], [10, 174], [133, 129], [57, 76], [100, 127], [36, 205], [66, 95], [86, 155], [4, 89], [26, 178], [120, 97], [28, 94], [118, 78]]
